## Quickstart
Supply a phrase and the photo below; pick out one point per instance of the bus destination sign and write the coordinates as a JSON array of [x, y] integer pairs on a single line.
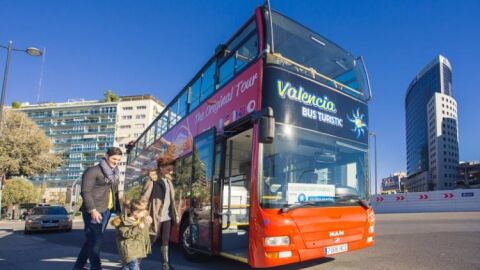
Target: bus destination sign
[[304, 103]]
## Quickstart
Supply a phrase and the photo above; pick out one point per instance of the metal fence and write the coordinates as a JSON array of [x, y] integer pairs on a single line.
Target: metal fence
[[432, 201]]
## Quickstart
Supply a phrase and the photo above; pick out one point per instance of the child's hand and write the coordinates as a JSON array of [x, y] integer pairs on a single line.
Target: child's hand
[[148, 220], [141, 225]]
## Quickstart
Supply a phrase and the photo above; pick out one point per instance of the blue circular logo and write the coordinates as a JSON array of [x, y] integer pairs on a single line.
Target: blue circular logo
[[302, 197]]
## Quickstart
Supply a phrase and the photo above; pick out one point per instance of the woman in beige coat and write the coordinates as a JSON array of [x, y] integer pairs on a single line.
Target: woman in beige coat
[[160, 194]]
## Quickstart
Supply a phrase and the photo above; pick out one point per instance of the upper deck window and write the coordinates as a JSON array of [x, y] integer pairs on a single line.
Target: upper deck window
[[203, 86], [335, 66], [238, 53]]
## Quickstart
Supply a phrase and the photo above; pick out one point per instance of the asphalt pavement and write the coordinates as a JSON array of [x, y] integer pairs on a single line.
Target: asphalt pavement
[[404, 241]]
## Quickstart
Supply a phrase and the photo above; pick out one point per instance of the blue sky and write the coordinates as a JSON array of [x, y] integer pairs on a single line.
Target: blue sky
[[136, 47]]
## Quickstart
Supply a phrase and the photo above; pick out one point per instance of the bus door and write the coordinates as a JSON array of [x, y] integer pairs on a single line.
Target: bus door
[[235, 196], [201, 192]]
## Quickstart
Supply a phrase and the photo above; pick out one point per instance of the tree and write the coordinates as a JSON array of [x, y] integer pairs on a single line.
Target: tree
[[24, 148], [16, 105], [19, 190], [109, 96]]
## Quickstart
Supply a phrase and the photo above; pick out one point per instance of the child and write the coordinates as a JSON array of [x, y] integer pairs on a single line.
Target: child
[[133, 240]]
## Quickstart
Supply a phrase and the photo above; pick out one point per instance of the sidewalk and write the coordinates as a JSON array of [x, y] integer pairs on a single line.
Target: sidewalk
[[20, 252]]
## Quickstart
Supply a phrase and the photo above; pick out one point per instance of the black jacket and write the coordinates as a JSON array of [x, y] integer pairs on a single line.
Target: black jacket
[[95, 192]]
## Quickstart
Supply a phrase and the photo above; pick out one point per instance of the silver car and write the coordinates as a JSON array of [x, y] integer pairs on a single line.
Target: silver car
[[48, 218]]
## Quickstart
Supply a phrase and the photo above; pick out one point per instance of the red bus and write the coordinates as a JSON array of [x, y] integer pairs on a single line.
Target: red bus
[[271, 146]]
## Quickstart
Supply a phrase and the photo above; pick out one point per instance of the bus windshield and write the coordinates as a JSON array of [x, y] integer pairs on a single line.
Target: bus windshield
[[333, 65], [305, 166]]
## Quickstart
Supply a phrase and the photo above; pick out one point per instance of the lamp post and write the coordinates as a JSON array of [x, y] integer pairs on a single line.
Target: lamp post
[[31, 51], [375, 153], [73, 196]]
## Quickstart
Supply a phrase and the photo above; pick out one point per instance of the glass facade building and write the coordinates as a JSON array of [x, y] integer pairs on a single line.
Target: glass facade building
[[436, 77], [80, 130]]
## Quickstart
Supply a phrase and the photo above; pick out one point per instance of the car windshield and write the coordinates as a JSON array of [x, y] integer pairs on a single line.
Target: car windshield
[[49, 211], [304, 166]]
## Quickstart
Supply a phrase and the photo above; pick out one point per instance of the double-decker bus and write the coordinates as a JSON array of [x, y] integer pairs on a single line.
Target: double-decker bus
[[271, 145]]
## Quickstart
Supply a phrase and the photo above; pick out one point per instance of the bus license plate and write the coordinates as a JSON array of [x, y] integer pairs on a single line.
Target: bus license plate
[[336, 249]]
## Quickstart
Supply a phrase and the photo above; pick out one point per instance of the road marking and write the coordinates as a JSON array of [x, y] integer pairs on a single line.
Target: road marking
[[72, 260]]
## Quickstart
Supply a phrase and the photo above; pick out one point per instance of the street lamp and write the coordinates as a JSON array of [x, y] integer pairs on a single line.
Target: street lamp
[[375, 153], [31, 51], [72, 200]]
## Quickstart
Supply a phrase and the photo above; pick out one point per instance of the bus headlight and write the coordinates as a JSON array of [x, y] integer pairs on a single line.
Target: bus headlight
[[371, 229], [277, 241]]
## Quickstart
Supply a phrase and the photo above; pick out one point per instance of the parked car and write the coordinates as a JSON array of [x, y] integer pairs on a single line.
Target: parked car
[[48, 218]]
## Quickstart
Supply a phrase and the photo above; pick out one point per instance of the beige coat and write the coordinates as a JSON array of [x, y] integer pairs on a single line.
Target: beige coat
[[154, 193]]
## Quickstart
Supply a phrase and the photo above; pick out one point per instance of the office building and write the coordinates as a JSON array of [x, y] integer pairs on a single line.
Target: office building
[[442, 141], [431, 129]]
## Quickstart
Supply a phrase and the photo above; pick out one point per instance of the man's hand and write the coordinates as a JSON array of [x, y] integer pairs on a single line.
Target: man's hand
[[96, 216]]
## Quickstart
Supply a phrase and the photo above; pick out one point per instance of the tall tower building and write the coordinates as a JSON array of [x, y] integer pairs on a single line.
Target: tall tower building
[[443, 141], [431, 129]]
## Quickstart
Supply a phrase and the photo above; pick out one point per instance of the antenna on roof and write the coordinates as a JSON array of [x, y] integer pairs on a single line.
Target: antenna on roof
[[41, 74]]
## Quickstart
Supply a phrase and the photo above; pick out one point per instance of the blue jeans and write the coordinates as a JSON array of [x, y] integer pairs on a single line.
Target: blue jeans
[[133, 265], [93, 242]]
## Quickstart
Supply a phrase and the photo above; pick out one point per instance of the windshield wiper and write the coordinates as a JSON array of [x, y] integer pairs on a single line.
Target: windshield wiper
[[353, 199], [295, 206]]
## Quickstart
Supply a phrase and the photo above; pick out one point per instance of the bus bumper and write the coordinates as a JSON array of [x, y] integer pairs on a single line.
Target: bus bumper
[[316, 253], [280, 257]]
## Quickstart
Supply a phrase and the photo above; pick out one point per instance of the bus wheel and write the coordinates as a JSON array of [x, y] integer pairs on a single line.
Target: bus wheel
[[188, 252]]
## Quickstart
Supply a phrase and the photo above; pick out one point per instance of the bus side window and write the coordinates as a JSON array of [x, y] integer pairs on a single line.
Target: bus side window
[[182, 104], [240, 51], [226, 70], [195, 98], [246, 53], [208, 81], [237, 60]]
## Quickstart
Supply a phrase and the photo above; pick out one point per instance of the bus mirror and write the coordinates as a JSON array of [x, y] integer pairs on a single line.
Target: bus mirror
[[267, 126]]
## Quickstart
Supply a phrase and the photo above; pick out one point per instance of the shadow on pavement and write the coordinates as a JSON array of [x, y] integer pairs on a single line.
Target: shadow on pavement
[[76, 237], [22, 252]]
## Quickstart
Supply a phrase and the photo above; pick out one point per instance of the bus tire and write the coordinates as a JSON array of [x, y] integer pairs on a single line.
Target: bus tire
[[190, 254]]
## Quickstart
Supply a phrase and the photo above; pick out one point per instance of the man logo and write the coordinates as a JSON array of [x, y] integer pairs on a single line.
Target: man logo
[[336, 233]]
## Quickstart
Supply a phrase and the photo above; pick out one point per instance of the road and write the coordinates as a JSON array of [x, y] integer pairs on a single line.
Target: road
[[404, 241]]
